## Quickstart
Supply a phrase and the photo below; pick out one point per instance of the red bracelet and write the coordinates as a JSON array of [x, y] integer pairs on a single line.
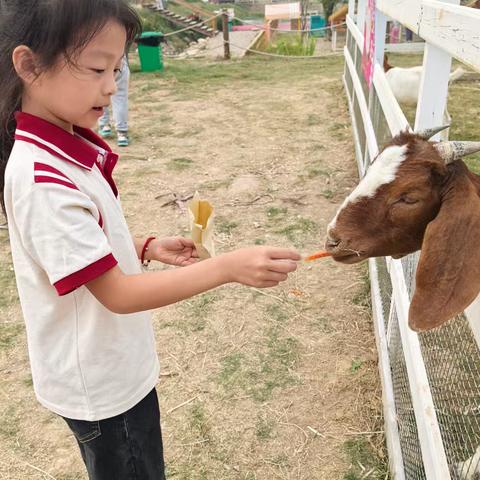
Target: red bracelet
[[144, 251]]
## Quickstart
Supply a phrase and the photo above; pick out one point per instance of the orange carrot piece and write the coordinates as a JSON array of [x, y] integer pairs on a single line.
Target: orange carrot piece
[[320, 254]]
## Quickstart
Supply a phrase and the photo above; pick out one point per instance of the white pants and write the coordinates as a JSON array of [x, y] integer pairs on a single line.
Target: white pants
[[119, 103]]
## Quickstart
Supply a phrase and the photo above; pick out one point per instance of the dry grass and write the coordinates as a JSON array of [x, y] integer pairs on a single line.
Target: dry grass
[[273, 384]]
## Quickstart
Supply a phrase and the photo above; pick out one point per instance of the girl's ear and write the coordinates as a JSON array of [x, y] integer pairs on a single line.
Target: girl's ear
[[24, 62], [448, 273]]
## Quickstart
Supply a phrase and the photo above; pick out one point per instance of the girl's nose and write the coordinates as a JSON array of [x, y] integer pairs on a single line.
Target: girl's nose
[[110, 87]]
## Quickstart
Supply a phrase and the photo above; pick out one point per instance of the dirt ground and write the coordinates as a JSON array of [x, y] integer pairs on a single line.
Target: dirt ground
[[255, 384]]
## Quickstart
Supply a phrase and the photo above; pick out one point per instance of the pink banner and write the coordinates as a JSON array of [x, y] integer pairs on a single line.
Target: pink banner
[[368, 57]]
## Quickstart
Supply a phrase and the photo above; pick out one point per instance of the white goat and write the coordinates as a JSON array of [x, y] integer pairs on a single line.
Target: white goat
[[405, 82], [405, 85]]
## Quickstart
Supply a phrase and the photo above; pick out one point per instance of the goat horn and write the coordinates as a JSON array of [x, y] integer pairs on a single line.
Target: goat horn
[[451, 151], [428, 133]]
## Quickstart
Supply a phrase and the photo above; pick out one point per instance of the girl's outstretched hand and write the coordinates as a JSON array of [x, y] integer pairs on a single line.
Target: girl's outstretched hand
[[261, 267], [176, 251]]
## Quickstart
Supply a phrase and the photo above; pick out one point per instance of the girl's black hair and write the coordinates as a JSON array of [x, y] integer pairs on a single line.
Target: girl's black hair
[[50, 28]]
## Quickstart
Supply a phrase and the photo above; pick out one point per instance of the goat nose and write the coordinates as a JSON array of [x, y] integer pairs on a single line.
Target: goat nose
[[332, 241]]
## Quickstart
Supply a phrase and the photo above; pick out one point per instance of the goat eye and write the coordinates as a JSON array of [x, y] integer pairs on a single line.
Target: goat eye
[[408, 200]]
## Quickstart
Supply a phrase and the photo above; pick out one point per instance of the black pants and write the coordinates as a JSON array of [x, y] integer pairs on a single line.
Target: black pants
[[126, 447]]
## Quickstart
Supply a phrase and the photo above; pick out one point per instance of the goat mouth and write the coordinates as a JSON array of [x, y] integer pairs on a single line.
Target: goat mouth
[[348, 258], [347, 255]]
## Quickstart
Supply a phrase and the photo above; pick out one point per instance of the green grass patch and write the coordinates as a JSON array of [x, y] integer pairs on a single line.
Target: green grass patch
[[28, 381], [199, 77], [317, 147], [146, 87], [225, 226], [195, 312], [198, 421], [292, 45], [8, 287], [277, 212], [363, 458], [189, 133], [267, 369], [180, 164], [277, 313], [356, 365], [9, 333], [184, 471], [339, 131], [315, 171], [298, 231], [327, 193], [213, 185], [362, 296], [321, 323], [264, 428], [463, 106], [9, 426], [314, 119]]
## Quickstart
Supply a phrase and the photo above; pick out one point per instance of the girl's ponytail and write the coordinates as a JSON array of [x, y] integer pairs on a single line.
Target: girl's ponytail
[[6, 138], [10, 97]]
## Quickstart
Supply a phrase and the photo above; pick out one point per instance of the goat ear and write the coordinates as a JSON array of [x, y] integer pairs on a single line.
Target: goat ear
[[448, 273]]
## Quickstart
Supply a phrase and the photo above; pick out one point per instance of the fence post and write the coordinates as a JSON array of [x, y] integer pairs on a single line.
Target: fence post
[[432, 97], [226, 40], [361, 9], [380, 32], [351, 9]]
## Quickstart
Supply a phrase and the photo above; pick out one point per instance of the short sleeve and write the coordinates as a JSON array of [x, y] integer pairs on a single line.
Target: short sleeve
[[59, 227]]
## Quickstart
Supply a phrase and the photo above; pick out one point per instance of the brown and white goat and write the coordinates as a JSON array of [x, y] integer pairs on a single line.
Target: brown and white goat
[[418, 195]]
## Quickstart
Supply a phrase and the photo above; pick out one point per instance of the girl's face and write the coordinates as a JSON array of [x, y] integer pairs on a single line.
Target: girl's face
[[68, 95]]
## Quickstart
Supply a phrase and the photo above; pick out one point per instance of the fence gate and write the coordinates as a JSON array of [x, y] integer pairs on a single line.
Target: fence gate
[[431, 381]]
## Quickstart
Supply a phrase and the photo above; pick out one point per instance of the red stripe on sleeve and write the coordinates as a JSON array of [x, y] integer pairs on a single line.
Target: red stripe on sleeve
[[43, 167], [85, 275], [46, 179]]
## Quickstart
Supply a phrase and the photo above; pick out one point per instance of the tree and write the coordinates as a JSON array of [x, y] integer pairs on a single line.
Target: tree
[[303, 16], [328, 6]]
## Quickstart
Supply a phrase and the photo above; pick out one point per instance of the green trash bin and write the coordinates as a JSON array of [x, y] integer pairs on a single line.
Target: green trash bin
[[150, 51]]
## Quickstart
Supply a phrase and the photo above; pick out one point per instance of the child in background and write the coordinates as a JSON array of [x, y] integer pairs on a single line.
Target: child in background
[[84, 297], [119, 109]]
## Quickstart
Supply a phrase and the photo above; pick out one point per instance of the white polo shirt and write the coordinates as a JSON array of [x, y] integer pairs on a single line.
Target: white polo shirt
[[66, 228]]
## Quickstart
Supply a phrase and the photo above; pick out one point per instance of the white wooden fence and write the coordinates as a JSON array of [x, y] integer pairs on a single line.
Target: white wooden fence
[[431, 381]]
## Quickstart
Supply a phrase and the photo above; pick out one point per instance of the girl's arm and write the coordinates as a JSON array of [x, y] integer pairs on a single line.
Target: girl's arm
[[257, 266], [178, 251], [138, 242]]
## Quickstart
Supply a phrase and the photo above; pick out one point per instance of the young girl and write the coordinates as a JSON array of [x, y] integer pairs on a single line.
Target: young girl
[[84, 297]]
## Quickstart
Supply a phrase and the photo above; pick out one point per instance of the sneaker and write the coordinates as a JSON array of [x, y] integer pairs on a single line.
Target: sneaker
[[122, 139], [105, 131]]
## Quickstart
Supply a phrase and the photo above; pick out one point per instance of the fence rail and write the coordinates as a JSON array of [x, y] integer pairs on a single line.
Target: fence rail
[[430, 381]]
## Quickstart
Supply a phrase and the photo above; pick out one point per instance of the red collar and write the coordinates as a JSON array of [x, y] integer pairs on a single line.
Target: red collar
[[59, 142]]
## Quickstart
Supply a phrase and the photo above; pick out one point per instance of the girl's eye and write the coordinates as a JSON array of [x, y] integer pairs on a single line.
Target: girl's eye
[[97, 70]]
